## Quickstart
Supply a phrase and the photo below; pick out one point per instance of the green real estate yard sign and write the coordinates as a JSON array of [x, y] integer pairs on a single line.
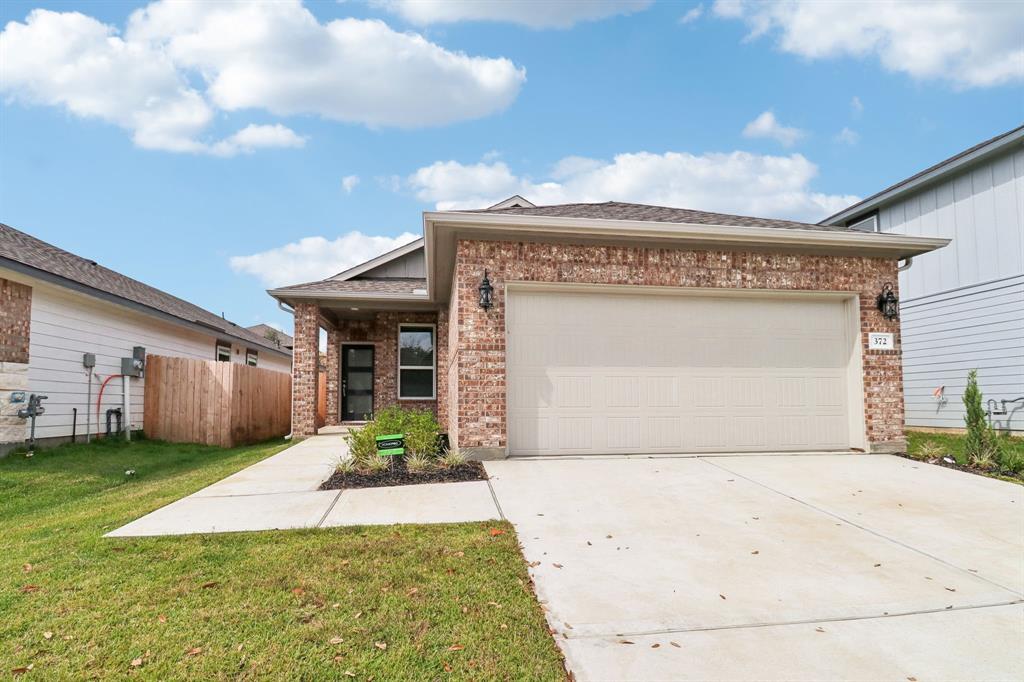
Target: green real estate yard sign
[[391, 446]]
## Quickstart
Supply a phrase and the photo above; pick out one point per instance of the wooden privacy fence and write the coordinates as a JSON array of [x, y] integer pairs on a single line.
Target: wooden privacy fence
[[215, 403]]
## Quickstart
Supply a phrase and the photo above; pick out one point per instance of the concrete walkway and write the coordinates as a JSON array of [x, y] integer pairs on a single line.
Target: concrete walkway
[[282, 492], [832, 567]]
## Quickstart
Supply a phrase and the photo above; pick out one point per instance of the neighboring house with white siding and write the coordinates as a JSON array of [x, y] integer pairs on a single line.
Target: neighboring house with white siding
[[56, 307], [961, 307]]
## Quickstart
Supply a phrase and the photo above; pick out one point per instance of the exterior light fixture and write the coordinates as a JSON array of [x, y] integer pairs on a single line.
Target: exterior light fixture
[[486, 293], [887, 303]]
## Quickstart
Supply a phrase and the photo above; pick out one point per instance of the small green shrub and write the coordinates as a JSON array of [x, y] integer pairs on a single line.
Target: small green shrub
[[1012, 462], [419, 427], [981, 444], [418, 464], [453, 458]]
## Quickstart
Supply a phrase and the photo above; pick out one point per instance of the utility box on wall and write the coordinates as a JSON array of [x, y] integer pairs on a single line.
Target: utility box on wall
[[135, 365]]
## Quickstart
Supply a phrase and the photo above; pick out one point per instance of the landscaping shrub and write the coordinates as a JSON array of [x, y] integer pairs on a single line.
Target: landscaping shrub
[[981, 444], [419, 426]]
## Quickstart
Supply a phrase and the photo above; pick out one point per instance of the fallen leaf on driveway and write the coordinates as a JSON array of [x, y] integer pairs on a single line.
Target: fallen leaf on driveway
[[625, 641], [755, 552], [676, 645], [532, 564], [655, 645], [819, 629], [557, 565], [496, 531], [951, 589], [722, 596]]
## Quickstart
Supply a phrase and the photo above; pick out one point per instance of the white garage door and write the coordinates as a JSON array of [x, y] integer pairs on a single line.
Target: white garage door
[[592, 372]]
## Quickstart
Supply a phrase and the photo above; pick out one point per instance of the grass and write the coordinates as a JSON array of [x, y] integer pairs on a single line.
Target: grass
[[401, 602], [926, 446]]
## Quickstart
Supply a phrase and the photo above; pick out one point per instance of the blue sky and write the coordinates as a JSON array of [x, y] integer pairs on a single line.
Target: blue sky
[[591, 102]]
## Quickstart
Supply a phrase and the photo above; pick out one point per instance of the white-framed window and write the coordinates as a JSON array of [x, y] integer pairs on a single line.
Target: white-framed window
[[251, 357], [417, 361], [223, 353]]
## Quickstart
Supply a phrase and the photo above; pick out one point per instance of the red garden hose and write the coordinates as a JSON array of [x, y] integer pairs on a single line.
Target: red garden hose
[[99, 398]]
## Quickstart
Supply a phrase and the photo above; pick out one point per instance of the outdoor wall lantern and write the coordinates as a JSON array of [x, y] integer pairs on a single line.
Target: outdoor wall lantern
[[888, 303], [486, 293]]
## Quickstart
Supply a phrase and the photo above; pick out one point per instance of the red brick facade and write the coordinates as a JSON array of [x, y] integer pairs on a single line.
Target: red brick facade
[[382, 332], [478, 418], [15, 320], [305, 371]]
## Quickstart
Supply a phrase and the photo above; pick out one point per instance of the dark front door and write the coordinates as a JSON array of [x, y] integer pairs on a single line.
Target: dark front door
[[356, 382]]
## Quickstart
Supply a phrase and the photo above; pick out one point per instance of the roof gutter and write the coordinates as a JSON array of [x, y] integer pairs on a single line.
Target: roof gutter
[[893, 245]]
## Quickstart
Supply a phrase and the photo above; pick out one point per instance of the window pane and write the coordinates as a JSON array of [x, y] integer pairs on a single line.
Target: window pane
[[360, 381], [359, 357], [359, 406], [417, 383], [416, 347]]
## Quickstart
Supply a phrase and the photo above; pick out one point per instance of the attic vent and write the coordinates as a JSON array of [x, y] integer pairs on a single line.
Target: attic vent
[[866, 224]]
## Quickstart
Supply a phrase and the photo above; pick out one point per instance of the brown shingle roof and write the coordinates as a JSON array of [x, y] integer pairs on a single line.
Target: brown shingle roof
[[617, 210], [25, 249], [366, 287]]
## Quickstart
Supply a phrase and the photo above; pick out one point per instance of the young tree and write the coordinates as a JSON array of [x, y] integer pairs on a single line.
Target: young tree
[[981, 444]]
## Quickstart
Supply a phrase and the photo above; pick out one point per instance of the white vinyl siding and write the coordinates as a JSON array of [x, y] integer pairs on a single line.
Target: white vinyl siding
[[599, 373], [66, 324]]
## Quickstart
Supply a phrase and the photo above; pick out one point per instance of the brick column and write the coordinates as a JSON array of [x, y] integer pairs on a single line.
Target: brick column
[[15, 322], [333, 370], [305, 357]]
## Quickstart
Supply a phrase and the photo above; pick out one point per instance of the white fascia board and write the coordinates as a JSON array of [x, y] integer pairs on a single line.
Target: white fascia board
[[726, 234]]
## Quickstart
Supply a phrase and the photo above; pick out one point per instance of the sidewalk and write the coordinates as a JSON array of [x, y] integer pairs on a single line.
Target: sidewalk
[[282, 492]]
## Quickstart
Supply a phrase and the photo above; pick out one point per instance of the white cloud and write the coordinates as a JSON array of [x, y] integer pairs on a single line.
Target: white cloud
[[349, 182], [546, 14], [847, 136], [856, 106], [315, 258], [766, 125], [972, 43], [177, 63], [692, 15], [736, 182], [253, 137]]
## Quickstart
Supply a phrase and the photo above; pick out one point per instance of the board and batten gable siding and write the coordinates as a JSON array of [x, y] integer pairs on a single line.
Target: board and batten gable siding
[[67, 324], [410, 265], [962, 307]]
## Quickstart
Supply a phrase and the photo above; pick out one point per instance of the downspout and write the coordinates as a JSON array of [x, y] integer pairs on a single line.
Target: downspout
[[291, 371], [907, 262]]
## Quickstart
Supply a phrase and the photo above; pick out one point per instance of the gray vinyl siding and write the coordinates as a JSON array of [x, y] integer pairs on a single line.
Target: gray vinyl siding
[[412, 264], [962, 307]]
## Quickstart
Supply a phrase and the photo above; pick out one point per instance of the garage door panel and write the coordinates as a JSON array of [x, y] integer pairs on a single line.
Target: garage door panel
[[686, 374]]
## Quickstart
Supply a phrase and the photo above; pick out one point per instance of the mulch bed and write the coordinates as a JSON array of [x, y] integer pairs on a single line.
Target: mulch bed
[[989, 473], [399, 475]]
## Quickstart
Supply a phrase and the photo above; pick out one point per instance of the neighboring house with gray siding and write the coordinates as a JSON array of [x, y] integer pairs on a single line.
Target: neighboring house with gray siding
[[962, 307]]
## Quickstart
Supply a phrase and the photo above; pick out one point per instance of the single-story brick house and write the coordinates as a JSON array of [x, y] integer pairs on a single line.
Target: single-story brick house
[[616, 328]]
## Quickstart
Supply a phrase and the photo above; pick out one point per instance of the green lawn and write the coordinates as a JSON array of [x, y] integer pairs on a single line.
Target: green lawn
[[403, 602]]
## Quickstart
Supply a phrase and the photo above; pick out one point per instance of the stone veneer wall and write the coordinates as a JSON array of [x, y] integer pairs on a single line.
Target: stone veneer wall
[[478, 415], [15, 325], [382, 332]]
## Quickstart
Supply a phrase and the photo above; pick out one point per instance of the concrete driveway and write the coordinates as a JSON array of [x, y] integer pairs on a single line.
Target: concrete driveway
[[779, 567]]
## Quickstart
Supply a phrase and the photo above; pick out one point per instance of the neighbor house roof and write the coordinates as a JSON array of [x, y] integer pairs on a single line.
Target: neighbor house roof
[[265, 331], [930, 174], [23, 252], [617, 210]]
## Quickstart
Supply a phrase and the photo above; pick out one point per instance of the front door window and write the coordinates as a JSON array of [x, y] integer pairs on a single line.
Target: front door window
[[356, 383]]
